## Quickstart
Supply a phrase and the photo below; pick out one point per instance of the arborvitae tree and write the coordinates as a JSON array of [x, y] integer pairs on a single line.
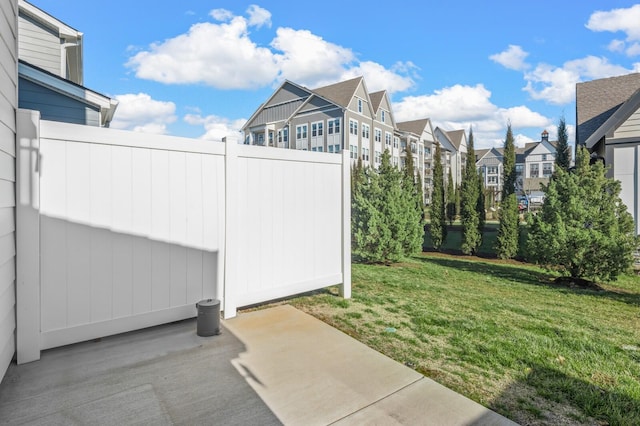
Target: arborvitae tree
[[471, 237], [507, 239], [368, 230], [392, 204], [480, 206], [451, 199], [458, 196], [563, 154], [412, 209], [584, 229], [438, 226]]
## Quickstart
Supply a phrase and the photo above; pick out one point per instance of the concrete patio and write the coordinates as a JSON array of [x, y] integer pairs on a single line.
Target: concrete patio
[[272, 366]]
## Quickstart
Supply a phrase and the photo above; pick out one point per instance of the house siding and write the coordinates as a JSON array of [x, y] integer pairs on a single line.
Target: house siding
[[54, 106], [8, 101], [630, 128], [39, 45]]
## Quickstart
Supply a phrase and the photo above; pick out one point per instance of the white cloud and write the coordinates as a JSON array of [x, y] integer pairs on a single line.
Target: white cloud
[[139, 112], [232, 62], [459, 107], [258, 16], [235, 61], [216, 127], [512, 58], [633, 50], [556, 85], [222, 15], [309, 59], [624, 20], [616, 46]]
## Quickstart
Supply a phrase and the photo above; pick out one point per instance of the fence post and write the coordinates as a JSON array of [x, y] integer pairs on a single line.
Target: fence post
[[231, 228], [28, 236], [345, 288]]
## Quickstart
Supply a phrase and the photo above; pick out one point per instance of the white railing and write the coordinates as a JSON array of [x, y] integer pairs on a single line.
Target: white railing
[[130, 230]]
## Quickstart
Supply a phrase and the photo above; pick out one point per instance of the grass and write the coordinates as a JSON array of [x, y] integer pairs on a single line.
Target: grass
[[501, 333]]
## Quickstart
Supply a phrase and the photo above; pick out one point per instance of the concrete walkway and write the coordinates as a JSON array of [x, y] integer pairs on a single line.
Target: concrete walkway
[[309, 373], [273, 366]]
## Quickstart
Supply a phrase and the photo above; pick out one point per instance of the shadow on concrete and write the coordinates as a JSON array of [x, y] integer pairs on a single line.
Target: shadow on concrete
[[160, 375]]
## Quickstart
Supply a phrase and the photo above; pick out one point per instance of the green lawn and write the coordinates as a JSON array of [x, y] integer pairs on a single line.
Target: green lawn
[[501, 333]]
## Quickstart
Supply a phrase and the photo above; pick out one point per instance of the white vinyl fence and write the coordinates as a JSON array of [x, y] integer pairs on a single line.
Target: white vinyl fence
[[120, 230]]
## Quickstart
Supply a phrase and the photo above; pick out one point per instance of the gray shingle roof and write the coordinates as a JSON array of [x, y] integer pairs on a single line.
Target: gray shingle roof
[[455, 136], [340, 93], [597, 100], [376, 99], [414, 126]]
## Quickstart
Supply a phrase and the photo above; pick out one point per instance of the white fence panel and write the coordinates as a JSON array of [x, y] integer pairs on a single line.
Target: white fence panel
[[134, 229], [123, 232], [289, 222]]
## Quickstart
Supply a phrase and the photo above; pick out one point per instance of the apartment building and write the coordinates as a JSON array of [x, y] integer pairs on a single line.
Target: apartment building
[[454, 149], [535, 164], [340, 116]]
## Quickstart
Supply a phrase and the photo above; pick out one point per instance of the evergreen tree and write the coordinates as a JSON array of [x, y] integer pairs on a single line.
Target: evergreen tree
[[451, 199], [393, 205], [507, 239], [480, 206], [563, 154], [438, 225], [367, 225], [584, 229], [471, 237], [412, 206]]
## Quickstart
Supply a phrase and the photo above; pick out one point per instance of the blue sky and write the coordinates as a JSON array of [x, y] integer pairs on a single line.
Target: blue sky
[[201, 68]]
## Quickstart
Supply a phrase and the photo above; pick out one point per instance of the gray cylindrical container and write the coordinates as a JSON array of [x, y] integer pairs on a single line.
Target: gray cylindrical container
[[208, 317]]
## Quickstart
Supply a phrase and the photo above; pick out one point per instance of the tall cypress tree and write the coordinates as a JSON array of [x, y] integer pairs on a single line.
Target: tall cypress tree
[[392, 206], [471, 237], [451, 199], [563, 155], [412, 209], [507, 239], [438, 225]]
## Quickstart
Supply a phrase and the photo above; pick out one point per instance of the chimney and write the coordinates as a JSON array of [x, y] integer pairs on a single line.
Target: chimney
[[545, 136]]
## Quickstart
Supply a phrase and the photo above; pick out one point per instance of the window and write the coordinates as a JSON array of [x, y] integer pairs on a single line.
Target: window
[[394, 161], [427, 152], [383, 117], [544, 157], [283, 136], [387, 138], [519, 169], [547, 169], [333, 126], [365, 131], [353, 152], [534, 170], [353, 127], [301, 131], [492, 170], [317, 129], [334, 149], [359, 105], [365, 154], [492, 180], [270, 138], [377, 157], [260, 139], [414, 147], [377, 135]]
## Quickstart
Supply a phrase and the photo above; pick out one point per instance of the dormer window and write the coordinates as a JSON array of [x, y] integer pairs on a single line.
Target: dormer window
[[360, 105], [382, 116]]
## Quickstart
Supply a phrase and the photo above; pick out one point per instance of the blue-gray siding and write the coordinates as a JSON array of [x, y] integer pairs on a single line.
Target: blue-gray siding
[[8, 95], [54, 106]]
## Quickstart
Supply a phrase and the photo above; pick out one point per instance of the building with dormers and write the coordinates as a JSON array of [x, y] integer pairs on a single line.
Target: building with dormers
[[338, 117]]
